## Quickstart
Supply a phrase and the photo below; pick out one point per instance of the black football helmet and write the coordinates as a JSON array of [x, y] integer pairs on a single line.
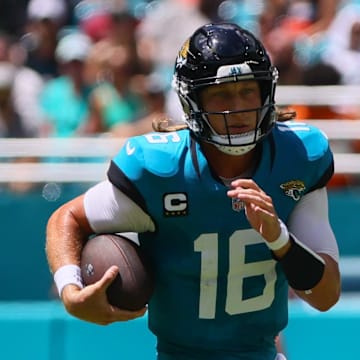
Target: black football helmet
[[220, 53]]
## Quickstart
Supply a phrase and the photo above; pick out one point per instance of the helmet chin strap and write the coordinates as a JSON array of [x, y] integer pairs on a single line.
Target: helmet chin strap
[[235, 150], [241, 143]]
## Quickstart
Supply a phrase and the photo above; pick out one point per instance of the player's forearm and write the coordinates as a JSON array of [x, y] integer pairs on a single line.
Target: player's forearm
[[67, 229], [327, 292]]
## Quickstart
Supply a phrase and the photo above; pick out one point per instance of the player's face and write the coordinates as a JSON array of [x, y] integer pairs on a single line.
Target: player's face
[[238, 97]]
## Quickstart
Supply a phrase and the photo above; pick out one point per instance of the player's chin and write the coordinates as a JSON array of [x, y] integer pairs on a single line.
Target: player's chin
[[239, 130]]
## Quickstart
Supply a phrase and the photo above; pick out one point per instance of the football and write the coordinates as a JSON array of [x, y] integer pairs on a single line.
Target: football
[[133, 286]]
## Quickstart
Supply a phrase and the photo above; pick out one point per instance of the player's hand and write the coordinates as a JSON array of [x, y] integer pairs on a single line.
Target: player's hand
[[91, 304], [259, 208]]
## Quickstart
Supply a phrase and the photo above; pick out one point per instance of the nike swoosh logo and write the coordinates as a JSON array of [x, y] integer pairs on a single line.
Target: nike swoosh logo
[[129, 149]]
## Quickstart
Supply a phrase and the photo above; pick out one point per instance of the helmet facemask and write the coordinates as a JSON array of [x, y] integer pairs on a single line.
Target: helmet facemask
[[198, 121], [235, 144]]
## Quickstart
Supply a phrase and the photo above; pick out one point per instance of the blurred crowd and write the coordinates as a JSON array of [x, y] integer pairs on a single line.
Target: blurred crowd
[[70, 67], [89, 67], [76, 68]]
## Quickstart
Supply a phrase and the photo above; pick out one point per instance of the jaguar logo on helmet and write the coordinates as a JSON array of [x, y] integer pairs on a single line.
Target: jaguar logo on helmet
[[181, 59]]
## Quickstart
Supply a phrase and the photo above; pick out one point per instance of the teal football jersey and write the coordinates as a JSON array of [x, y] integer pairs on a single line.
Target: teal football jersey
[[219, 292]]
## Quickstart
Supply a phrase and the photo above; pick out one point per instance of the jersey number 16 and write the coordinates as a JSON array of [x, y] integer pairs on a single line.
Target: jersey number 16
[[236, 303]]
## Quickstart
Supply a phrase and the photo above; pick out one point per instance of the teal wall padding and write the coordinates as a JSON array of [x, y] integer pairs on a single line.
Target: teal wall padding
[[44, 331]]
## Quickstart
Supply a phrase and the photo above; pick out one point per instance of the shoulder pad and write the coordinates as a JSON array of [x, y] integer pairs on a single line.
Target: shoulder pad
[[313, 140], [157, 153]]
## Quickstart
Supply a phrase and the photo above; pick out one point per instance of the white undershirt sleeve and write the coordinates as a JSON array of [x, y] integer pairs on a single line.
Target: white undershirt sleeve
[[108, 210], [310, 224]]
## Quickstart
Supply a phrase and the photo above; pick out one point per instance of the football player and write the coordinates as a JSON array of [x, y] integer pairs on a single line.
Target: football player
[[231, 208]]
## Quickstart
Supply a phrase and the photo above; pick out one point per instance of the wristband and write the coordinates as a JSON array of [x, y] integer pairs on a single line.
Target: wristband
[[281, 241], [68, 274], [302, 266]]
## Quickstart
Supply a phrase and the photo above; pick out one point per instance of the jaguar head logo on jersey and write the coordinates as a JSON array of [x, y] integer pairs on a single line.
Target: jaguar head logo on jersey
[[175, 204], [294, 189]]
